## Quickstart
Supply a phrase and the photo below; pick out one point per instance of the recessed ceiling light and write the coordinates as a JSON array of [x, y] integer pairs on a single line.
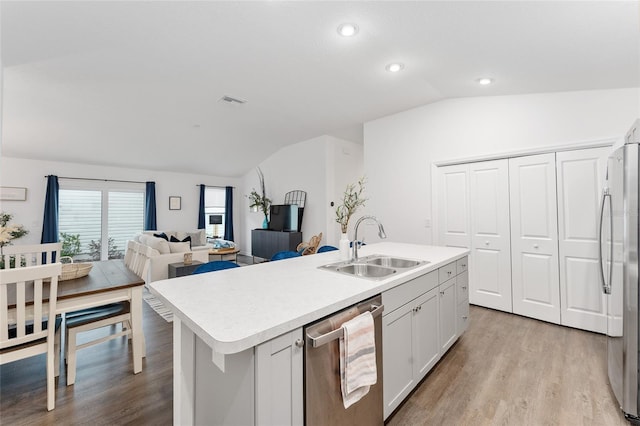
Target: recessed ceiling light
[[485, 81], [394, 67], [347, 30]]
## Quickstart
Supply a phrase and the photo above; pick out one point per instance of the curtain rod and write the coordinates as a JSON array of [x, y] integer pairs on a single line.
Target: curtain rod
[[100, 180], [216, 186]]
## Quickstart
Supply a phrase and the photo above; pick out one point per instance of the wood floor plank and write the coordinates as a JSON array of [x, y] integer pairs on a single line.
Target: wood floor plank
[[505, 370]]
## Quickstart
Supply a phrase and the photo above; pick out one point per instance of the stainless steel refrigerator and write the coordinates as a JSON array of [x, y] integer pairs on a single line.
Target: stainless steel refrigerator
[[619, 268]]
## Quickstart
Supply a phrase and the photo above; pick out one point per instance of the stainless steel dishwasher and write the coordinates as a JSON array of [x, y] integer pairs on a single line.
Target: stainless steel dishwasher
[[322, 394]]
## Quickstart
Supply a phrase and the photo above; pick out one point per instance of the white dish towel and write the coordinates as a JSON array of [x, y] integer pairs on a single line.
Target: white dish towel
[[357, 358]]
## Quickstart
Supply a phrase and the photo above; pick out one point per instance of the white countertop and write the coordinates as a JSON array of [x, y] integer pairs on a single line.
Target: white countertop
[[235, 309]]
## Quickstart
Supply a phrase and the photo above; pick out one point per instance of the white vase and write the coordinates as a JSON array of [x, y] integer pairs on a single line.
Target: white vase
[[345, 252]]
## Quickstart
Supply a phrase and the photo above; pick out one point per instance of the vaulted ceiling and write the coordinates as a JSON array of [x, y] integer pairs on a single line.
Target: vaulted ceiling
[[138, 84]]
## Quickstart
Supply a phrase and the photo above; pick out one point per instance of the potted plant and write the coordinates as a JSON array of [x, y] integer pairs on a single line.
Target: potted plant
[[260, 201], [9, 233], [352, 199]]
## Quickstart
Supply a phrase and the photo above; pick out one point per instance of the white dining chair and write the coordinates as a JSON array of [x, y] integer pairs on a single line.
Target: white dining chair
[[29, 329], [23, 255], [102, 316]]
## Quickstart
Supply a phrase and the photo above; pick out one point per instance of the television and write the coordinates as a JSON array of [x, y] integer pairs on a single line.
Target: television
[[283, 217]]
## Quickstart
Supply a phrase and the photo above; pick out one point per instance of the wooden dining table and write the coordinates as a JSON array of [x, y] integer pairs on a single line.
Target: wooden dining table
[[109, 281]]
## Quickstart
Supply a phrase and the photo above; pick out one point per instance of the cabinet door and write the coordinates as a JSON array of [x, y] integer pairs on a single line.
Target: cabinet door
[[490, 235], [453, 209], [279, 381], [580, 181], [397, 351], [448, 316], [426, 316], [534, 237]]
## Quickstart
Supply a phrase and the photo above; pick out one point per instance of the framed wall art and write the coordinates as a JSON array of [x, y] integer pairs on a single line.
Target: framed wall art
[[175, 203], [11, 193]]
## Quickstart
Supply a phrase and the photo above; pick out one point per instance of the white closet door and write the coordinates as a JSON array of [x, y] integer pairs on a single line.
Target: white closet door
[[490, 283], [453, 209], [580, 180], [534, 237]]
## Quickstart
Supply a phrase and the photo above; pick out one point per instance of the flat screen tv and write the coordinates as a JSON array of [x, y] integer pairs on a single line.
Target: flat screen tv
[[283, 217]]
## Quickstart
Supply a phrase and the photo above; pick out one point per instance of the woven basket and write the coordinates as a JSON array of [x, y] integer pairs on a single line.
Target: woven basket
[[72, 270]]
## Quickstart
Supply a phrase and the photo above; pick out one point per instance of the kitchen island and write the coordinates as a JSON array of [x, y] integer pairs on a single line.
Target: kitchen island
[[234, 328]]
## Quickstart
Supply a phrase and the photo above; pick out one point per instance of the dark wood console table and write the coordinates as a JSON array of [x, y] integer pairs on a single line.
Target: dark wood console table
[[265, 243]]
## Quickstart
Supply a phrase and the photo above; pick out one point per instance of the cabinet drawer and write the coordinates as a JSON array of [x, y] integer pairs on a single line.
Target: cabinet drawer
[[462, 265], [447, 272], [404, 293], [462, 287], [463, 317]]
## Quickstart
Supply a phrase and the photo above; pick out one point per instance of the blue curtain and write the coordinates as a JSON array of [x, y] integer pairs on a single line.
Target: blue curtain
[[201, 209], [228, 214], [150, 223], [50, 220]]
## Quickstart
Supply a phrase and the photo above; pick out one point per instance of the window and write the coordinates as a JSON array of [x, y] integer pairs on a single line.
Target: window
[[93, 213], [214, 205]]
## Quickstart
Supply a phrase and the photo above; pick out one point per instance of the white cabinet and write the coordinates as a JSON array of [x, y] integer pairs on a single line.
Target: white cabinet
[[279, 380], [462, 300], [410, 341], [580, 182], [419, 324], [534, 237], [448, 317]]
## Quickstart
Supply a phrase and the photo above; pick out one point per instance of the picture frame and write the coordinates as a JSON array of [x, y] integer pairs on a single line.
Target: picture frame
[[175, 203], [12, 193]]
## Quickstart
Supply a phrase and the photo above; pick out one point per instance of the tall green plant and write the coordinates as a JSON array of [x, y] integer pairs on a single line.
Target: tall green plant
[[70, 244]]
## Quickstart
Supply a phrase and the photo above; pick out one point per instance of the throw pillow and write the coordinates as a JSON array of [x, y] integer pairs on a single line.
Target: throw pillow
[[162, 235], [155, 243], [186, 240], [181, 247], [196, 238]]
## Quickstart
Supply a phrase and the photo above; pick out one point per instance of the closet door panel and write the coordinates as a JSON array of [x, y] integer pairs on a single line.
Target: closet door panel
[[453, 208], [580, 182], [534, 237], [490, 283]]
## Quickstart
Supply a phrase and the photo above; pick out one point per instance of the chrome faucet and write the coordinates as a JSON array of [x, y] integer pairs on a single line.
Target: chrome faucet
[[381, 234]]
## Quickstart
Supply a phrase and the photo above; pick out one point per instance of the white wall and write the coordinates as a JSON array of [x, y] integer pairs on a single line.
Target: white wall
[[316, 166], [400, 149], [30, 174]]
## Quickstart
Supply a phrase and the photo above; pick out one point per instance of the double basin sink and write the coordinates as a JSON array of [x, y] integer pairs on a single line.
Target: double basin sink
[[374, 267]]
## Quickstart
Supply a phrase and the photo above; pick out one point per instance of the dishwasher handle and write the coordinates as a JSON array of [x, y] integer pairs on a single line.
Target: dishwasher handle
[[316, 341]]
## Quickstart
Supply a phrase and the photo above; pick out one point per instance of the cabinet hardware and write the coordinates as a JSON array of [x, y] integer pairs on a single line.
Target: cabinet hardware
[[464, 287], [442, 293], [464, 318], [299, 343]]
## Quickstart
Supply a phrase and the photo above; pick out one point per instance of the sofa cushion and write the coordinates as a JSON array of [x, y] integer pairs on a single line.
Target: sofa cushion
[[162, 235], [181, 247], [155, 243]]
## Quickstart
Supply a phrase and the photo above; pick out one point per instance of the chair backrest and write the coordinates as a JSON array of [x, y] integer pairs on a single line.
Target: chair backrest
[[128, 254], [216, 265], [16, 308], [326, 248], [285, 255], [30, 255], [311, 246]]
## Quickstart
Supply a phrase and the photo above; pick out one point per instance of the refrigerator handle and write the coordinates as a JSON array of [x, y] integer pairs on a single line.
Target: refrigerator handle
[[606, 288]]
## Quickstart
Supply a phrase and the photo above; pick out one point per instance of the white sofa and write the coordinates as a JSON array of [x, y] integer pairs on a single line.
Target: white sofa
[[165, 252]]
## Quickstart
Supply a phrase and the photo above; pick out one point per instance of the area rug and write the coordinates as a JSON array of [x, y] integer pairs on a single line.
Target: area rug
[[157, 306]]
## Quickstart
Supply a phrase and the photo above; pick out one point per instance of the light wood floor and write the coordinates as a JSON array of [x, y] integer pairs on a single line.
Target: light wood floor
[[505, 370]]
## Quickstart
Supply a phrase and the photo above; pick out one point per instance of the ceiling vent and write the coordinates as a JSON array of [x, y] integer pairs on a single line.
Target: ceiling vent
[[231, 100]]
